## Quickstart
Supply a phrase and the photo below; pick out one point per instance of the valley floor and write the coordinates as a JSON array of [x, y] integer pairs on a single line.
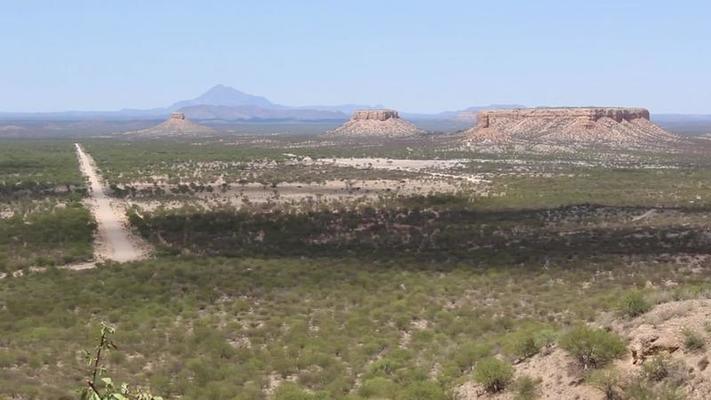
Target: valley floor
[[417, 268]]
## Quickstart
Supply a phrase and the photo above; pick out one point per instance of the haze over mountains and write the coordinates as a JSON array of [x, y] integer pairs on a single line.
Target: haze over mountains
[[229, 104], [218, 103], [226, 96], [226, 104]]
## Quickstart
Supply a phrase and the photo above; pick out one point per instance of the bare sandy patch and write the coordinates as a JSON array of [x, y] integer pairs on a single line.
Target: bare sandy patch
[[289, 192], [432, 168]]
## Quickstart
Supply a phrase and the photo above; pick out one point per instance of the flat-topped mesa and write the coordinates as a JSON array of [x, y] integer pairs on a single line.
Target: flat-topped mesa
[[576, 127], [592, 114], [378, 115], [176, 125], [376, 123]]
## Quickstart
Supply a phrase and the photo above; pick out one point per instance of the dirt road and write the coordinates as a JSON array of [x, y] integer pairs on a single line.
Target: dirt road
[[114, 241]]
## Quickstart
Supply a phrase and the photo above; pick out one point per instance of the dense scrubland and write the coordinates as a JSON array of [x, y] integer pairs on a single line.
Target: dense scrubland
[[436, 232], [398, 297], [209, 162], [124, 162], [42, 219], [232, 327], [38, 168]]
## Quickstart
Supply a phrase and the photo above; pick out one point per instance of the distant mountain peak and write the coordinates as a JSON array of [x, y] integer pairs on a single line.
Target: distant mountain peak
[[221, 89], [222, 95]]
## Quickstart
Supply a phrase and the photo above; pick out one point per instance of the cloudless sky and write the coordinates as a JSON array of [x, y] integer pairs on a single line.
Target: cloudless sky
[[417, 56]]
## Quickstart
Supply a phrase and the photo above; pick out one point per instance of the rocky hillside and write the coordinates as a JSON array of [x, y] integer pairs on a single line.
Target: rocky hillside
[[576, 127], [379, 123], [665, 357], [176, 126]]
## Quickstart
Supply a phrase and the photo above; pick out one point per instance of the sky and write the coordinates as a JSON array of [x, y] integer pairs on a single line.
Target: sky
[[415, 56]]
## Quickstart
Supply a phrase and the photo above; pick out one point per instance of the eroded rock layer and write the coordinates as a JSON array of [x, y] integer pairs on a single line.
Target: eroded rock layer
[[385, 123], [615, 127]]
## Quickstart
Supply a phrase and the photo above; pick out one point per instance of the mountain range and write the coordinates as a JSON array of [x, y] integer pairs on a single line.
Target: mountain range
[[224, 103]]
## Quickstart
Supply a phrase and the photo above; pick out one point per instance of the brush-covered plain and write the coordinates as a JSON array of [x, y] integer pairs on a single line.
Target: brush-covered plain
[[42, 219], [396, 297]]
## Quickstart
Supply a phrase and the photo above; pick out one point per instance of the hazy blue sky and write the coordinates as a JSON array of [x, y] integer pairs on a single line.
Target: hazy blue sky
[[412, 55]]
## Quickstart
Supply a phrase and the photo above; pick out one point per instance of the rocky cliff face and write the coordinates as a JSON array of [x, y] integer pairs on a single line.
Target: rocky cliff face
[[379, 123], [588, 114], [376, 115], [616, 127]]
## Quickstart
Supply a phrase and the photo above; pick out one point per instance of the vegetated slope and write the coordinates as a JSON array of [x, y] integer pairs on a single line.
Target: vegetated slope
[[665, 358], [571, 127], [334, 327]]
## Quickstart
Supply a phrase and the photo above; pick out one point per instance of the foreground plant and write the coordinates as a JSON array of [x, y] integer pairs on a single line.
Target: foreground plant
[[693, 341], [99, 386], [608, 381], [526, 388], [493, 374], [593, 348], [634, 304]]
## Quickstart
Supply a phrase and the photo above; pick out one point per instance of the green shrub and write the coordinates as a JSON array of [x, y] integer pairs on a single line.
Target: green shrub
[[467, 355], [607, 381], [424, 390], [663, 368], [526, 388], [523, 346], [640, 389], [693, 340], [378, 387], [528, 342], [592, 347], [290, 391], [656, 368], [634, 304], [385, 367], [493, 374]]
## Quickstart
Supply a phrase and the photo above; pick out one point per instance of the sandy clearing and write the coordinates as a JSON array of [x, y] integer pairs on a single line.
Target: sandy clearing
[[393, 163], [79, 266], [70, 267], [421, 166], [6, 213], [332, 190], [649, 213], [114, 241]]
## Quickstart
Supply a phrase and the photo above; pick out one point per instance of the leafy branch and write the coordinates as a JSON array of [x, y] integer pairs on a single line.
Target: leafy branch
[[99, 386]]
